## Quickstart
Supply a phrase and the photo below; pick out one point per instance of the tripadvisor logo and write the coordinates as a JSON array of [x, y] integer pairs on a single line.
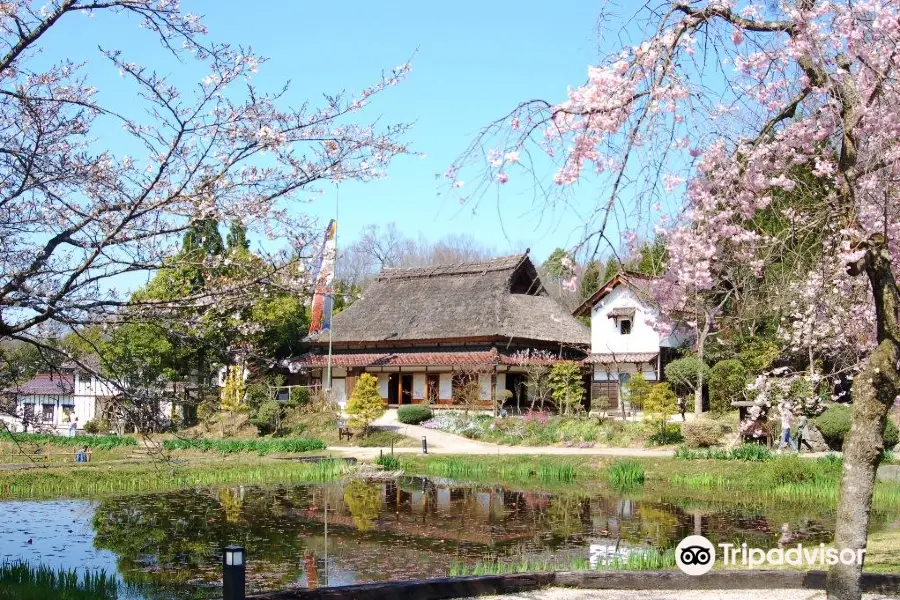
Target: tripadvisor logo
[[695, 555]]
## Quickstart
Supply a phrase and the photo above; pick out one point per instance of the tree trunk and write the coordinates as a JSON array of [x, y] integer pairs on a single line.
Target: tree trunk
[[874, 391], [701, 344]]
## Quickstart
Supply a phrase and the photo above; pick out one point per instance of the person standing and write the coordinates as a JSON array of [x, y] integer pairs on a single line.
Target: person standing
[[802, 426], [73, 427], [787, 421]]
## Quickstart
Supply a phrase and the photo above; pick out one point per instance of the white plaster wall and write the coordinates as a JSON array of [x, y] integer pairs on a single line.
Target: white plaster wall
[[611, 372], [445, 387], [501, 381], [339, 389], [419, 386], [383, 385], [605, 336]]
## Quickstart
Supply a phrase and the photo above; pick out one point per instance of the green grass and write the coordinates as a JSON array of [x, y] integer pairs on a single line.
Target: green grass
[[648, 560], [101, 442], [508, 469], [153, 477], [744, 452], [262, 447], [625, 474], [21, 581]]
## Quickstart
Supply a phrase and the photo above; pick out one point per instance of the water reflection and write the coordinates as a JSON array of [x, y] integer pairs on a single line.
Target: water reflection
[[168, 545]]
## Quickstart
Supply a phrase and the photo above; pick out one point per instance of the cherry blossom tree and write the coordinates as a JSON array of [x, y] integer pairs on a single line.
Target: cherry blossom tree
[[725, 100], [80, 220]]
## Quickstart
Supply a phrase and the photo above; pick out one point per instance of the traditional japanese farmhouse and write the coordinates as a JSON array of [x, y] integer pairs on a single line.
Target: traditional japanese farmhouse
[[624, 337], [423, 331]]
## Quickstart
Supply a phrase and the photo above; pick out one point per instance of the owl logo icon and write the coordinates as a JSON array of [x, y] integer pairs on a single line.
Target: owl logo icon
[[695, 555]]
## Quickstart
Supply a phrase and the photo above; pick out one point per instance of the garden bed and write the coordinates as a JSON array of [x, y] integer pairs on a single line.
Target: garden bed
[[542, 429]]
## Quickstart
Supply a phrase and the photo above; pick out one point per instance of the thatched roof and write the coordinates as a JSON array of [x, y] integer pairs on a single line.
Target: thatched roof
[[498, 299]]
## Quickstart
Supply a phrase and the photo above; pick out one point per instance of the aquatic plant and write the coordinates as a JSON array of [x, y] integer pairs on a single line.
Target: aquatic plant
[[745, 452], [262, 447], [160, 477], [625, 474], [522, 469], [389, 462], [22, 581], [101, 442]]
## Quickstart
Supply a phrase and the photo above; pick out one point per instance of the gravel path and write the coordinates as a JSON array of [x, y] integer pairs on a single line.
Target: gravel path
[[574, 594]]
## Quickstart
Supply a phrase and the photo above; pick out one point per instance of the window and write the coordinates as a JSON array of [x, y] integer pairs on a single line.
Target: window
[[47, 413], [68, 413], [625, 326], [28, 412]]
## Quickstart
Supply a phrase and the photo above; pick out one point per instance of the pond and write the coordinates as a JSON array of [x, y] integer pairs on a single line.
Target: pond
[[167, 545]]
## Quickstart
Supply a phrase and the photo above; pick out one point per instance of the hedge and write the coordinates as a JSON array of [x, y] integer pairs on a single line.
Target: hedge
[[413, 414], [834, 424]]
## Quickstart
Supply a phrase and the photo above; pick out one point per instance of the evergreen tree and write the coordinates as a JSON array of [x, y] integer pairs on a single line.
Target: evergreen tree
[[237, 237], [590, 280]]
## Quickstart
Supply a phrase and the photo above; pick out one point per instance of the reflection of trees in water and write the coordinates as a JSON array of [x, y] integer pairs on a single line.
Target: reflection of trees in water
[[169, 540], [231, 502], [364, 501], [564, 515]]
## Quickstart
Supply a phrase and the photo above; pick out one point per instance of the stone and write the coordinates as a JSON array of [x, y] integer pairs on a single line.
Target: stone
[[815, 439], [888, 473]]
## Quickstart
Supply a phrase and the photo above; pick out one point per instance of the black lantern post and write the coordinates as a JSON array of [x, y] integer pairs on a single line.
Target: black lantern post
[[424, 445], [234, 571]]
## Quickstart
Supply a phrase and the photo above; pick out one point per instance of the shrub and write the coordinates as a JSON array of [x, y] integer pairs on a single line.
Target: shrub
[[727, 382], [636, 391], [566, 386], [365, 404], [95, 426], [834, 424], [660, 404], [670, 434], [625, 474], [299, 396], [268, 417], [682, 374], [701, 433], [414, 414]]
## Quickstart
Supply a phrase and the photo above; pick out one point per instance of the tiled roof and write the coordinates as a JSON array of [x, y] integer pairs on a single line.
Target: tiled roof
[[405, 359], [620, 358], [46, 384]]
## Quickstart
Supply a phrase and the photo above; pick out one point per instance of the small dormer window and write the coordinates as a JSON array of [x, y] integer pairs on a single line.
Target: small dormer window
[[625, 326]]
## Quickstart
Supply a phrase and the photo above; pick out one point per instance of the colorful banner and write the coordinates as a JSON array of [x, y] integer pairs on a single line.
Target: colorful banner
[[322, 296]]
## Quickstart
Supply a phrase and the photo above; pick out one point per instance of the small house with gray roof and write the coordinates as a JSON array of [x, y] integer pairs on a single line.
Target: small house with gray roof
[[421, 330]]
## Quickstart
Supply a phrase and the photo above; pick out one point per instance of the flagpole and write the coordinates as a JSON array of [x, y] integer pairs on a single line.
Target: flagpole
[[337, 200]]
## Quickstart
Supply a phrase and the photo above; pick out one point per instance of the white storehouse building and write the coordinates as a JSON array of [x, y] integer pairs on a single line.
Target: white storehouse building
[[624, 335]]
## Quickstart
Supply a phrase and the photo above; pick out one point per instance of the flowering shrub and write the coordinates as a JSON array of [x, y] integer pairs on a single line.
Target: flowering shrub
[[538, 417]]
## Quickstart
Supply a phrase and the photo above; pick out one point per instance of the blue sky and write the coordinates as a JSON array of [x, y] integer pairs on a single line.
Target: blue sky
[[474, 61]]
